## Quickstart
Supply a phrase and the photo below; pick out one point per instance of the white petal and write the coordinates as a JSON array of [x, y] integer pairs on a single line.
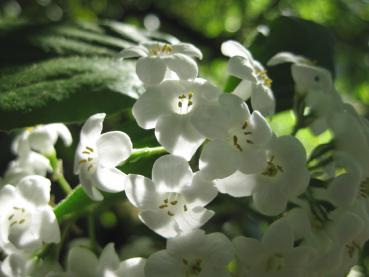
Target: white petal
[[241, 68], [133, 52], [151, 105], [252, 160], [171, 173], [50, 231], [176, 133], [270, 199], [162, 264], [110, 179], [219, 250], [184, 66], [261, 133], [82, 262], [63, 132], [92, 128], [134, 267], [160, 223], [193, 219], [235, 108], [287, 57], [42, 141], [201, 192], [141, 192], [187, 49], [35, 189], [113, 148], [218, 160], [232, 48], [108, 260], [88, 183], [279, 236], [309, 77], [237, 185], [150, 70], [244, 89], [262, 99], [249, 250], [343, 190]]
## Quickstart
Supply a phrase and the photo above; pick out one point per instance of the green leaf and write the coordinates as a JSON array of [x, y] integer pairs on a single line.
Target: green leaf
[[65, 90]]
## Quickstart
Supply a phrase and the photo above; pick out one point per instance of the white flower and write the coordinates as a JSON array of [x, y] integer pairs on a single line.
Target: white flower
[[169, 108], [237, 138], [83, 262], [97, 155], [156, 59], [255, 81], [192, 254], [284, 177], [306, 76], [27, 221], [173, 202], [42, 138], [27, 163], [275, 255]]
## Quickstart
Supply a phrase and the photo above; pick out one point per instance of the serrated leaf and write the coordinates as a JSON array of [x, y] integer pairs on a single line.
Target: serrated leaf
[[65, 90]]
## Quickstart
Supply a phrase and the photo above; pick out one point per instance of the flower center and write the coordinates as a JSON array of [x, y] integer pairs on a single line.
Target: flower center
[[184, 103], [160, 49], [192, 268], [275, 263], [240, 138], [89, 157], [272, 168], [18, 217], [262, 76], [173, 203]]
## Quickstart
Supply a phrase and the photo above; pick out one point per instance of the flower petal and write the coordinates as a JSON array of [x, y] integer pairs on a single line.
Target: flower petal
[[262, 100], [141, 192], [171, 173], [160, 223], [88, 183], [262, 132], [92, 128], [237, 185], [109, 260], [35, 189], [151, 70], [187, 49], [184, 66], [113, 148], [162, 264], [134, 267], [82, 262], [241, 68], [110, 179], [279, 236], [176, 133], [244, 89], [50, 232], [287, 57], [200, 192], [232, 48], [133, 52], [193, 219], [218, 160], [270, 199]]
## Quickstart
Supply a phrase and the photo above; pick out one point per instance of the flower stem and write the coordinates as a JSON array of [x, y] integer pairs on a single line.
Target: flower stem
[[145, 152], [58, 176]]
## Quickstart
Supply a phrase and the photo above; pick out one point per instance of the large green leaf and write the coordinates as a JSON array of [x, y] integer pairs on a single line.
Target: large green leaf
[[65, 90]]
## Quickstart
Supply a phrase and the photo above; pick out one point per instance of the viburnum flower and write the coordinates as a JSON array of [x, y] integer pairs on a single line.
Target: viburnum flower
[[237, 138], [97, 155], [307, 77], [255, 82], [27, 163], [83, 262], [27, 221], [284, 177], [42, 138], [275, 255], [169, 108], [156, 59], [173, 202], [192, 254]]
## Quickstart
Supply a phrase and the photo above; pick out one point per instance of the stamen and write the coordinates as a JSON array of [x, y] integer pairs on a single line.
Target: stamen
[[89, 148]]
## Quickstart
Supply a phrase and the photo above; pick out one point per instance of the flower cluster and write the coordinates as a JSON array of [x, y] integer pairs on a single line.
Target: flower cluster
[[316, 207]]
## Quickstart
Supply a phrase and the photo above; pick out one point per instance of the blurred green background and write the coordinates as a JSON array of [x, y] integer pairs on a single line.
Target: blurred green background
[[30, 32]]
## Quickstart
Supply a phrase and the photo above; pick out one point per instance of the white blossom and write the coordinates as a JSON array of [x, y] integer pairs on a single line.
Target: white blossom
[[27, 221], [82, 261], [237, 138], [157, 59], [42, 138], [192, 254], [169, 108], [284, 177], [97, 156], [173, 202], [255, 83], [275, 255]]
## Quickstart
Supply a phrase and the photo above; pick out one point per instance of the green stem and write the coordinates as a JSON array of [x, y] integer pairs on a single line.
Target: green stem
[[58, 176], [145, 152]]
